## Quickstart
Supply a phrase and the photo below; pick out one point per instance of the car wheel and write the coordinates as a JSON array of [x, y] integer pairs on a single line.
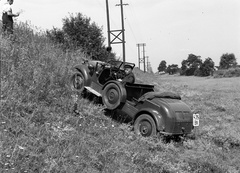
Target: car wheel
[[145, 125], [77, 82], [111, 96]]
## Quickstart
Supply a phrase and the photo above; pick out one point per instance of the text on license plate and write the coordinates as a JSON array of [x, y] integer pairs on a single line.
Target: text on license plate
[[195, 119]]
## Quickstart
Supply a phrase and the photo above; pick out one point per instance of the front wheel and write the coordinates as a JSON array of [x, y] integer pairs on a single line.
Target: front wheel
[[145, 126], [112, 96]]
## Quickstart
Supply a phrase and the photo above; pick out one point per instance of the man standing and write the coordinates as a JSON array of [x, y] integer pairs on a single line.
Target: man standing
[[7, 17]]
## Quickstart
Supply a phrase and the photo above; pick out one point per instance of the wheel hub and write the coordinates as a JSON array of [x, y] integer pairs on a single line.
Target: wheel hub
[[145, 128], [112, 96]]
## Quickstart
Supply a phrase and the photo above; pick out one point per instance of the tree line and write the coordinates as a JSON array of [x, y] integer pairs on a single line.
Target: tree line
[[80, 33], [194, 66]]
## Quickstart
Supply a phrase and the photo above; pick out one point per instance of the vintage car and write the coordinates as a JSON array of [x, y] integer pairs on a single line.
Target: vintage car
[[151, 112]]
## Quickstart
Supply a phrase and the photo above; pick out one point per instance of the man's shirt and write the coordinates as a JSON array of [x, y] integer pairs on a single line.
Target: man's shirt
[[130, 78], [6, 8]]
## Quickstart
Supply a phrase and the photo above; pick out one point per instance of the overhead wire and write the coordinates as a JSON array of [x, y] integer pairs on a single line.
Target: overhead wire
[[127, 16], [136, 19], [103, 6], [133, 20], [131, 46]]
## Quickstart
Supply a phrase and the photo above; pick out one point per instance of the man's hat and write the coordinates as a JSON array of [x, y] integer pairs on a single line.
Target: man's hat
[[128, 66]]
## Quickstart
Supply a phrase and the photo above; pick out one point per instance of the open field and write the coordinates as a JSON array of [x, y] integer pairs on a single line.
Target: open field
[[217, 100], [45, 128]]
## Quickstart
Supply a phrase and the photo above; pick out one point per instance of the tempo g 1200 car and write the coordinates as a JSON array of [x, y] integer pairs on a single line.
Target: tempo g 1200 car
[[151, 112]]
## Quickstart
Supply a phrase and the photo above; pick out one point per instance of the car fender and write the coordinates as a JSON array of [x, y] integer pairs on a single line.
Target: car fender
[[170, 121], [158, 118], [121, 87], [85, 71]]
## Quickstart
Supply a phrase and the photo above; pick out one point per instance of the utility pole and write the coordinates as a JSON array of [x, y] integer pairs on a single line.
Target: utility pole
[[123, 30], [139, 58], [117, 33], [108, 25], [149, 68], [147, 64], [142, 60]]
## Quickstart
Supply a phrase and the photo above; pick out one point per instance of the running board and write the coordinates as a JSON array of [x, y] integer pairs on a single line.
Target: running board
[[93, 91]]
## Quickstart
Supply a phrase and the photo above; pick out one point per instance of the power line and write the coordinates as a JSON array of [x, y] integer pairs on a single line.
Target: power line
[[101, 4], [110, 17], [131, 28], [129, 19], [136, 19]]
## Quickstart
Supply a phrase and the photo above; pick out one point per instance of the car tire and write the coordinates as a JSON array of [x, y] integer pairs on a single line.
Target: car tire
[[112, 96], [145, 125], [77, 82]]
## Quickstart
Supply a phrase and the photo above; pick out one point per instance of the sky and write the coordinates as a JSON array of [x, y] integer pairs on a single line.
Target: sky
[[171, 29]]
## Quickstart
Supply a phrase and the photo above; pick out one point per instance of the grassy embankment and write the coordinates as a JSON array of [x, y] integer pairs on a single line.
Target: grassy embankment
[[40, 133]]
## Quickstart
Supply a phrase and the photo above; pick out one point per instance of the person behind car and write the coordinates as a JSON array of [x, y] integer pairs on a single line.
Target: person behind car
[[129, 76]]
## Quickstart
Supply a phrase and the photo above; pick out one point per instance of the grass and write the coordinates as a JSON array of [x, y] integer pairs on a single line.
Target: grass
[[45, 128]]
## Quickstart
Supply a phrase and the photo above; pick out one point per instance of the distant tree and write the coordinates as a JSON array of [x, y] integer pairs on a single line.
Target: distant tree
[[190, 65], [172, 69], [162, 66], [227, 61], [206, 68], [184, 67], [78, 32]]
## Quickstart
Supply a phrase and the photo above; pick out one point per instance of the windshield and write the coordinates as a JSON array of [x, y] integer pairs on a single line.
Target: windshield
[[116, 63], [120, 64]]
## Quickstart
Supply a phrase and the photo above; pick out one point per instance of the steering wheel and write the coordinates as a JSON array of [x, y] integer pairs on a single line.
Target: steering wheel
[[113, 72], [117, 73], [121, 74]]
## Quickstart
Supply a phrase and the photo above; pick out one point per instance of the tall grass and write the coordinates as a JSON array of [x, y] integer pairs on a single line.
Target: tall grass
[[45, 128]]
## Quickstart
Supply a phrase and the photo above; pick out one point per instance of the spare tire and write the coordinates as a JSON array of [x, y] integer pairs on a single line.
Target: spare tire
[[77, 82], [112, 96]]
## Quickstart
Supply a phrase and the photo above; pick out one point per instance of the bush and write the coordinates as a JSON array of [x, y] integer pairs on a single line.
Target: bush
[[78, 32], [227, 61], [231, 72]]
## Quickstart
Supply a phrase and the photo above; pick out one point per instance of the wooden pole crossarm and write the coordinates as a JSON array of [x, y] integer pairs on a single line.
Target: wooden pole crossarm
[[116, 42], [116, 30], [116, 37]]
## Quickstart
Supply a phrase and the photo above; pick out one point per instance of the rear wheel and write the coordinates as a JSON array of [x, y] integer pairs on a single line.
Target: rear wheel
[[77, 82], [111, 96], [145, 126]]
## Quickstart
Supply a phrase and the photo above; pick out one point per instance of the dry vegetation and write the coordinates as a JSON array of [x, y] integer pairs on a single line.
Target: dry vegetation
[[40, 132]]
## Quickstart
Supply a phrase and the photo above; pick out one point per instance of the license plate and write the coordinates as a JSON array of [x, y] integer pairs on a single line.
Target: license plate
[[195, 120]]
